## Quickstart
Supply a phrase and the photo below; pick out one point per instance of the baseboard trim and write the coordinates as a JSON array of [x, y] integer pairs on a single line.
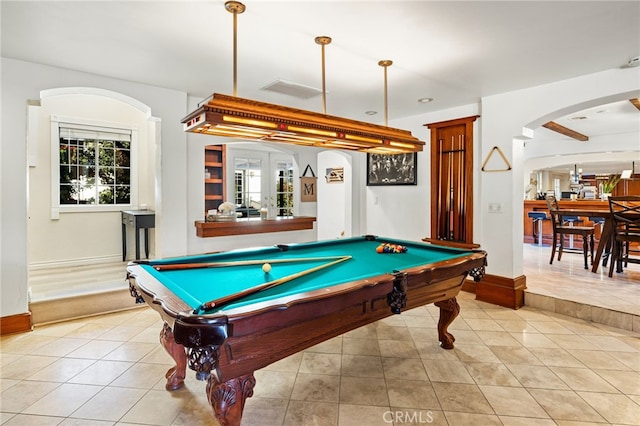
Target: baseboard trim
[[70, 263], [469, 286], [502, 291], [15, 324], [80, 306]]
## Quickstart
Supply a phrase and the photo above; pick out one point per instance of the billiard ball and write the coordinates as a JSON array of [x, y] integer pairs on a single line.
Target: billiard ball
[[266, 268]]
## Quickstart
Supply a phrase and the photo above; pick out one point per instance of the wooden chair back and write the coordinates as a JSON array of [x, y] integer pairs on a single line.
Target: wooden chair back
[[552, 203], [625, 212]]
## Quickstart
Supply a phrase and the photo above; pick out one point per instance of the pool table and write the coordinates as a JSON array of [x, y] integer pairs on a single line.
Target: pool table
[[222, 321]]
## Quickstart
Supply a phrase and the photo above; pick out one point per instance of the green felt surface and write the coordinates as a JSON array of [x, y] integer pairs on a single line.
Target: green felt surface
[[198, 286]]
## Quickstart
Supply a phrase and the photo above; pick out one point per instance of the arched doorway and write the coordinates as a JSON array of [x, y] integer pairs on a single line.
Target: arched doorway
[[75, 244]]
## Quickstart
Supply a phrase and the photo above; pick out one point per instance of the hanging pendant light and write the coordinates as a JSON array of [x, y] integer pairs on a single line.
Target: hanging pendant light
[[385, 64], [234, 117]]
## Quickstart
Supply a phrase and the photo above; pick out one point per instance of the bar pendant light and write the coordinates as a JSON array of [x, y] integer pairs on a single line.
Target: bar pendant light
[[246, 119]]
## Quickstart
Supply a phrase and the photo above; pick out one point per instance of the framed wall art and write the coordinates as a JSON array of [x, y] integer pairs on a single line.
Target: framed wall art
[[392, 169]]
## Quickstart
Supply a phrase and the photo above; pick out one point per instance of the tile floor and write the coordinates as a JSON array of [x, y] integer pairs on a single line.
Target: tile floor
[[524, 367], [533, 366], [566, 287]]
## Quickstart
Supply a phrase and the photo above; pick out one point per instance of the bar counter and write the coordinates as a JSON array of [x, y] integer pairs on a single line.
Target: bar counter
[[547, 232]]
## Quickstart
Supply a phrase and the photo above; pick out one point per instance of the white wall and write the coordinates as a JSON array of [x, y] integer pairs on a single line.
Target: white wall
[[405, 211], [81, 236], [335, 200], [401, 212], [21, 82], [504, 118]]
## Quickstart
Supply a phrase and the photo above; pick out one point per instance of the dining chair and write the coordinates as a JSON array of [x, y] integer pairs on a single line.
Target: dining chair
[[625, 213], [561, 230]]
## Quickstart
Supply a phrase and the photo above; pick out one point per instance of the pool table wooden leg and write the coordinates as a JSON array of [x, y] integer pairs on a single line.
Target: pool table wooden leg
[[449, 310], [176, 374], [227, 398]]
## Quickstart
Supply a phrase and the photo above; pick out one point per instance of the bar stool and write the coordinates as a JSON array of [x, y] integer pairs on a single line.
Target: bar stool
[[571, 220], [537, 218]]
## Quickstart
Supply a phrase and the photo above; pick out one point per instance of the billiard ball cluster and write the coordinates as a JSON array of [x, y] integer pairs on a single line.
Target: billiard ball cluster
[[391, 248]]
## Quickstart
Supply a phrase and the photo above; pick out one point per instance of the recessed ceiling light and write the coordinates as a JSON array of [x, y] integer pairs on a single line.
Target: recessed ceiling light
[[371, 112], [425, 100]]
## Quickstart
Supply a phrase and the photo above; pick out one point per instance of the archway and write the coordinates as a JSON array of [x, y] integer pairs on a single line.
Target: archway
[[85, 236]]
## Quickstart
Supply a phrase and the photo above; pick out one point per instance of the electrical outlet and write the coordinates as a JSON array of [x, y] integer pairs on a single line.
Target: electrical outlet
[[495, 208]]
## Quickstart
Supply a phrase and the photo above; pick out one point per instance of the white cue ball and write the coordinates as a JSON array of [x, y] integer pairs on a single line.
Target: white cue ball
[[266, 268]]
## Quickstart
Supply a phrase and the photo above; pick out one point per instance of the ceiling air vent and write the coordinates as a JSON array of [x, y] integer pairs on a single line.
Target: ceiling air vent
[[292, 89]]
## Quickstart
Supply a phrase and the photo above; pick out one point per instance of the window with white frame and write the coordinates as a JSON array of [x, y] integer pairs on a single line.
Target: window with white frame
[[248, 185], [556, 187], [263, 180], [284, 187], [92, 165]]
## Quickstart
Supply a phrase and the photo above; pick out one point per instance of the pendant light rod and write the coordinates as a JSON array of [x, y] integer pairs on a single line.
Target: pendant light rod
[[232, 117], [385, 64], [323, 41], [235, 7]]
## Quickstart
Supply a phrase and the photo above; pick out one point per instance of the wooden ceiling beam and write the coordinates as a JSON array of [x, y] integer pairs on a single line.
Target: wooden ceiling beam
[[551, 125], [635, 102]]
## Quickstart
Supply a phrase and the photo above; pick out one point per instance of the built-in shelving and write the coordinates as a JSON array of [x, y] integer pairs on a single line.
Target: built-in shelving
[[214, 187]]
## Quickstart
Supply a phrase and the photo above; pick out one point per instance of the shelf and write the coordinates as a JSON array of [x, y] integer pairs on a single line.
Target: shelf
[[214, 187], [253, 226]]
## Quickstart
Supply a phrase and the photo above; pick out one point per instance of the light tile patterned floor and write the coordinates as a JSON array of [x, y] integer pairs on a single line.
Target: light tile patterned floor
[[524, 367], [566, 287]]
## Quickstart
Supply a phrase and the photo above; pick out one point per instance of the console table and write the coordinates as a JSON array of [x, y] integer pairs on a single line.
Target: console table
[[137, 219]]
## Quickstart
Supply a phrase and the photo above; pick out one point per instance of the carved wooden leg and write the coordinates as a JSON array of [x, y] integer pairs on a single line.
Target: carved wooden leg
[[176, 374], [227, 399], [449, 310]]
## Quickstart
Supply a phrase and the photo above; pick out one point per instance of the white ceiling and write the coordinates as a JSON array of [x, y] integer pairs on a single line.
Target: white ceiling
[[610, 120], [455, 52]]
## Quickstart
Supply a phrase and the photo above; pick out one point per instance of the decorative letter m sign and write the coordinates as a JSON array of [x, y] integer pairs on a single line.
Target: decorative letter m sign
[[309, 186]]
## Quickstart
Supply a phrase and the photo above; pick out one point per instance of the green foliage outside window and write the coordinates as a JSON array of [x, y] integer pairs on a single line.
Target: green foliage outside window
[[94, 171]]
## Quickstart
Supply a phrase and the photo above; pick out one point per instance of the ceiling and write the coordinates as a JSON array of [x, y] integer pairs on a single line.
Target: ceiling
[[452, 51], [611, 119]]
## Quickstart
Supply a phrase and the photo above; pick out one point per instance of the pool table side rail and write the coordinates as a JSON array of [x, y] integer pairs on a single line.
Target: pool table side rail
[[459, 265], [169, 305], [156, 295]]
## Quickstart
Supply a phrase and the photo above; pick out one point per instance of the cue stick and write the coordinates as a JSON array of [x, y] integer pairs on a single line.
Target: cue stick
[[450, 191], [460, 188], [463, 189], [439, 212], [179, 266], [447, 195], [268, 285]]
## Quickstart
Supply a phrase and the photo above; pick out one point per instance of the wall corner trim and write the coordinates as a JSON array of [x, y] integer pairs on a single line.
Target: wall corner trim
[[502, 291]]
